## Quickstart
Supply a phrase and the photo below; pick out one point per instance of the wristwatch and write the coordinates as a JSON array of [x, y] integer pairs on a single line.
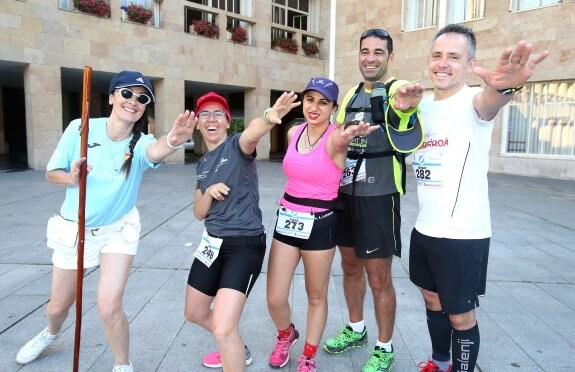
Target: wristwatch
[[508, 91]]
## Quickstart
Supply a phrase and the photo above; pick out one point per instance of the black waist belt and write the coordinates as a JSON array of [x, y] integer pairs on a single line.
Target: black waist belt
[[369, 155], [334, 204], [242, 240]]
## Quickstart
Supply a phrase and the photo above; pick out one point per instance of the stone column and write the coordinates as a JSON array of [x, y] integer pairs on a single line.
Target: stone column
[[170, 102], [256, 101], [43, 100]]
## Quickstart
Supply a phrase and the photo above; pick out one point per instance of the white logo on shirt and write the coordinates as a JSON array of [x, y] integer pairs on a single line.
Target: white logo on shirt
[[222, 162]]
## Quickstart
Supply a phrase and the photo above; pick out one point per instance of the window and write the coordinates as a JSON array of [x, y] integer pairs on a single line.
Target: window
[[148, 4], [540, 120], [517, 5], [464, 10], [242, 7], [291, 13], [419, 14]]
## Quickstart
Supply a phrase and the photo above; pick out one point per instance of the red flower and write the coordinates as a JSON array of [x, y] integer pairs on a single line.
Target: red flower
[[100, 8], [286, 44], [138, 13], [206, 28], [239, 34]]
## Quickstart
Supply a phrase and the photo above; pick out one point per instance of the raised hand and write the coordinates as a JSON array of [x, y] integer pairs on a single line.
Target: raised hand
[[283, 105], [360, 129], [183, 128], [515, 67], [408, 96]]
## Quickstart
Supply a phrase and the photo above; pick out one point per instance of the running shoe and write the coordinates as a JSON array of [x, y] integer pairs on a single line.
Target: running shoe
[[33, 348], [430, 366], [346, 340], [123, 368], [214, 360], [280, 356], [379, 361], [306, 364]]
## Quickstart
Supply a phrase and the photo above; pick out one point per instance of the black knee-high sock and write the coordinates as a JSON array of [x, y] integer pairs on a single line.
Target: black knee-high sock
[[465, 348], [440, 333]]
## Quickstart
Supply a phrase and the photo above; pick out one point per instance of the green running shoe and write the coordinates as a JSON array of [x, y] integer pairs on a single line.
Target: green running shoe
[[379, 361], [346, 340]]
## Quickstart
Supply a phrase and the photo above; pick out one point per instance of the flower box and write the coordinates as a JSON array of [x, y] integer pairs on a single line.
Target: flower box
[[238, 34], [138, 13], [100, 8], [310, 49], [205, 28], [285, 44]]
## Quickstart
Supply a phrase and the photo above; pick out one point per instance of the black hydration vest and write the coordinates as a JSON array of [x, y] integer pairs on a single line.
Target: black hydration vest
[[379, 154]]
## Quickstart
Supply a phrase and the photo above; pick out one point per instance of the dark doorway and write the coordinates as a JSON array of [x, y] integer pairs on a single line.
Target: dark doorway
[[278, 135], [14, 129]]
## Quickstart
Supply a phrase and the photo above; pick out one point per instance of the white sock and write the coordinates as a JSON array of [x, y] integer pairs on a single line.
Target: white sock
[[357, 327], [385, 345], [443, 366]]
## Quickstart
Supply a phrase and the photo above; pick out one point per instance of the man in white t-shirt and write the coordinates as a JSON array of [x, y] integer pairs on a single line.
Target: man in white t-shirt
[[450, 242]]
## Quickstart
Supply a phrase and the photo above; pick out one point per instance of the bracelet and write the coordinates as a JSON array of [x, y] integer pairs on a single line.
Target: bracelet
[[268, 122], [169, 144]]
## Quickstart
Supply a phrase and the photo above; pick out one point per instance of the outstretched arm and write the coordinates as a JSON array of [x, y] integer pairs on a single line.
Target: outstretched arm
[[340, 138], [260, 126], [515, 67], [181, 132], [407, 96]]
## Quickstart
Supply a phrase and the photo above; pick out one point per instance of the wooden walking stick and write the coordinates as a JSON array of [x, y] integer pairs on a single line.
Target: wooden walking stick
[[86, 95]]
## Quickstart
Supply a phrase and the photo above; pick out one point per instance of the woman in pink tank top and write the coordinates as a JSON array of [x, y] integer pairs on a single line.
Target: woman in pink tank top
[[305, 227]]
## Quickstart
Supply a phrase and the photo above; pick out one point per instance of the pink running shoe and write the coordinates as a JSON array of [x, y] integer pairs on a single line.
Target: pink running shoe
[[214, 360], [280, 356], [306, 364]]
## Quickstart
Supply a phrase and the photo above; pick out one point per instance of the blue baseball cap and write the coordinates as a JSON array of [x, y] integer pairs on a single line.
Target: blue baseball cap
[[325, 86], [131, 79]]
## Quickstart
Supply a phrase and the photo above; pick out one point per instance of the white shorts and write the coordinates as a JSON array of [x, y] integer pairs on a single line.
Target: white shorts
[[122, 236]]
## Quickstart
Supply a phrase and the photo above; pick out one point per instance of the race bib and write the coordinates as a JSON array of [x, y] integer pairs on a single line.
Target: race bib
[[208, 249], [347, 175], [429, 170], [296, 224]]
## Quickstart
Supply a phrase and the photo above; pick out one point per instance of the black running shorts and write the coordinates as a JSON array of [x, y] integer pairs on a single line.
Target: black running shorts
[[371, 224], [237, 266], [322, 235], [456, 269]]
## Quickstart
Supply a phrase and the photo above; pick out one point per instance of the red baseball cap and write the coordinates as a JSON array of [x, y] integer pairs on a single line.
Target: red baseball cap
[[211, 98]]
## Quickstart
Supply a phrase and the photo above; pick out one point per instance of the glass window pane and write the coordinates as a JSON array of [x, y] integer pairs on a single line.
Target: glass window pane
[[540, 120]]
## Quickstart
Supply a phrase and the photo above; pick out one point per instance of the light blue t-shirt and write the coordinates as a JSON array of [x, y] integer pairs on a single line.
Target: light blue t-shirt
[[109, 195]]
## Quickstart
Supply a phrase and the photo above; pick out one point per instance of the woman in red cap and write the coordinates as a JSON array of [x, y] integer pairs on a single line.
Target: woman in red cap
[[232, 249], [305, 227]]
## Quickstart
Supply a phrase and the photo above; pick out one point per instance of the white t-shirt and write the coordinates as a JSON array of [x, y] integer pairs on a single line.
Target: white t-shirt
[[451, 168]]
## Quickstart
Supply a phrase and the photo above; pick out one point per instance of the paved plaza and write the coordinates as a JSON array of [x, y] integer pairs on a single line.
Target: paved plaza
[[527, 318]]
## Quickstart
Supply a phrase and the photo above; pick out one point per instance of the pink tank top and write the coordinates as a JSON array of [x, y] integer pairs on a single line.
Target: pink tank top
[[313, 175]]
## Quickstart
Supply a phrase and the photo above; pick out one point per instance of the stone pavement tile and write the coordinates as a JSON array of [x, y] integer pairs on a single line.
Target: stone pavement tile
[[534, 337], [526, 319]]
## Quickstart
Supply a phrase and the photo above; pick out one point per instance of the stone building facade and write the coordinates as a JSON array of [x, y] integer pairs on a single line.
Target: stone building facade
[[45, 45]]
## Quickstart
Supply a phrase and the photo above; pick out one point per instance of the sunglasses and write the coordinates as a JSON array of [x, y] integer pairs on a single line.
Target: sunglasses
[[375, 31], [218, 115], [128, 93]]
